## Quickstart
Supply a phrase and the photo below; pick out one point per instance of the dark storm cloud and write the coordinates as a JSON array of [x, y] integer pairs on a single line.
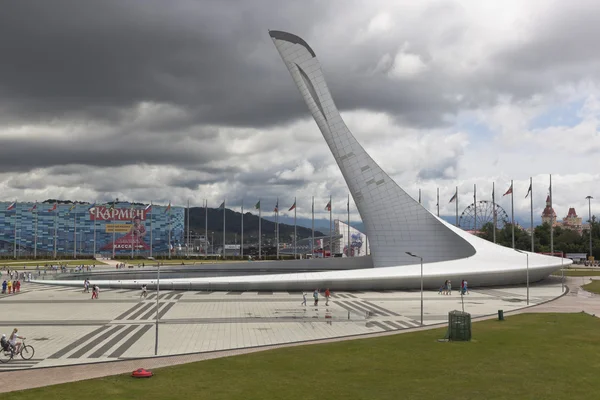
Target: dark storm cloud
[[213, 59], [105, 151]]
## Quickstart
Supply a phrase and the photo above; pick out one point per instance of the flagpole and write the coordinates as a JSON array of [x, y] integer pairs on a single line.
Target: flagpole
[[456, 206], [35, 235], [552, 221], [495, 211], [277, 227], [295, 242], [55, 228], [205, 228], [419, 195], [330, 228], [242, 235], [512, 211], [312, 241], [223, 229], [95, 218], [113, 230], [348, 207], [259, 231], [188, 229], [169, 230], [75, 232], [438, 202], [475, 203], [15, 241], [151, 212], [133, 236], [531, 220]]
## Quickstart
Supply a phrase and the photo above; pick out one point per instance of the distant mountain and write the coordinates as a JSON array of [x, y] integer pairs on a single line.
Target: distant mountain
[[233, 223]]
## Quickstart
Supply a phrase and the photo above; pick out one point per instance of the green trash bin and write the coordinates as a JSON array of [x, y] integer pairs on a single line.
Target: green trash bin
[[500, 315], [459, 326]]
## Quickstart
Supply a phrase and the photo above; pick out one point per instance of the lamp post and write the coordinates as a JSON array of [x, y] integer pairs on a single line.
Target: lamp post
[[157, 305], [589, 199], [421, 258], [562, 271], [527, 254]]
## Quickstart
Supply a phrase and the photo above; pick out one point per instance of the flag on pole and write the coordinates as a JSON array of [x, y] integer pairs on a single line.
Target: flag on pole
[[53, 208], [453, 197], [72, 207], [34, 207], [509, 191], [168, 208], [92, 207], [328, 206], [11, 206], [257, 205], [112, 206], [276, 206], [148, 208], [293, 206], [529, 190]]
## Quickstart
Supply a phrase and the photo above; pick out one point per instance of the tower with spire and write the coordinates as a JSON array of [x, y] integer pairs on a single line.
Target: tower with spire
[[548, 215]]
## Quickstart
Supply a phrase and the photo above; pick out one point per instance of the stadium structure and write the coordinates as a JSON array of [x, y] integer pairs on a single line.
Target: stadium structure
[[78, 228]]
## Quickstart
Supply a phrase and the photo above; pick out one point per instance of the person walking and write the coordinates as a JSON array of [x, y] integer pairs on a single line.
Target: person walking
[[4, 286], [303, 299], [327, 295], [316, 297], [9, 286], [85, 286], [466, 287], [18, 286], [144, 291], [94, 292], [450, 287]]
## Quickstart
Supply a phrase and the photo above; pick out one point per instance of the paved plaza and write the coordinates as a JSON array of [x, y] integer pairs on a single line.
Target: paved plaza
[[67, 327]]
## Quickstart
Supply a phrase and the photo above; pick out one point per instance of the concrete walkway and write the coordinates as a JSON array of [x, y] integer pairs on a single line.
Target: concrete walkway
[[576, 300]]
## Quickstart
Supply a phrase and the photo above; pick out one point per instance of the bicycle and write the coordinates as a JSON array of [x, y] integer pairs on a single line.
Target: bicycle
[[26, 351]]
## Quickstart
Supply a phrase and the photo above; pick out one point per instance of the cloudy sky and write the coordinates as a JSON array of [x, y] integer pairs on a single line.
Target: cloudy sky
[[169, 101]]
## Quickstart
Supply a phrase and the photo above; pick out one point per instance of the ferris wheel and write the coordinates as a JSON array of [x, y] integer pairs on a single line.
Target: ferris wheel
[[485, 212]]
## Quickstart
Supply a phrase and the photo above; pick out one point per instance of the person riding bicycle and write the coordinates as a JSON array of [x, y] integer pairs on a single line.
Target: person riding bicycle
[[4, 343], [13, 340]]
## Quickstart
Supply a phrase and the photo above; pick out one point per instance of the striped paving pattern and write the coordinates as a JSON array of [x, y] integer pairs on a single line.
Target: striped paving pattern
[[19, 363], [108, 341]]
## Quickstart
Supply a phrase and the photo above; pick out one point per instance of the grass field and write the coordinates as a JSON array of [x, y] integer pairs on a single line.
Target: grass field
[[593, 287], [527, 356]]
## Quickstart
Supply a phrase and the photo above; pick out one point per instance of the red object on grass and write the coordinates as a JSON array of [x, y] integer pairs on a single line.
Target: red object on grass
[[141, 373]]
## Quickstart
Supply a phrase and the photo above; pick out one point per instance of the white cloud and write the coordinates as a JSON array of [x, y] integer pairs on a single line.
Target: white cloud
[[407, 65]]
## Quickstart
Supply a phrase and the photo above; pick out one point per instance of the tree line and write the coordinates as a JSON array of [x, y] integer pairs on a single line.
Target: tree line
[[565, 240]]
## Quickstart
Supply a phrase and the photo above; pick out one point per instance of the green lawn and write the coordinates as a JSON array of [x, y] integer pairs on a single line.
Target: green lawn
[[528, 356], [593, 287]]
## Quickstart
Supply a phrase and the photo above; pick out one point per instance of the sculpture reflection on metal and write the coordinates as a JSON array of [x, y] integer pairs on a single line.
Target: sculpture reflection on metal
[[396, 225]]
